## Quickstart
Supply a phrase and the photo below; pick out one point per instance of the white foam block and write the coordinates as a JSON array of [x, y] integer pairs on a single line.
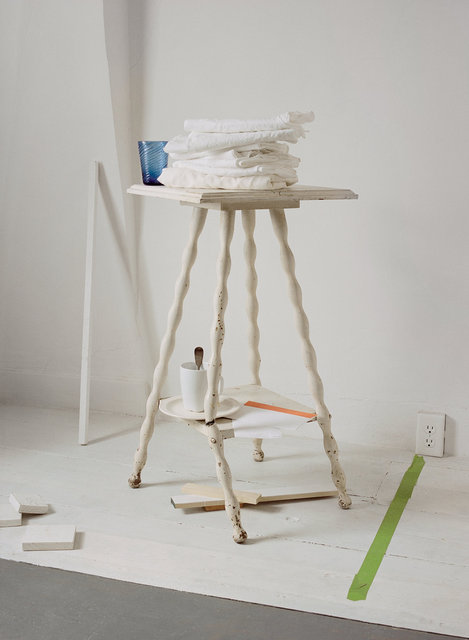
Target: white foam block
[[9, 517], [28, 503], [49, 538]]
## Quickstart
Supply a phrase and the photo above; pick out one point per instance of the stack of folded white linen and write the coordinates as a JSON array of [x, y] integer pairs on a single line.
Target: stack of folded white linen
[[236, 154]]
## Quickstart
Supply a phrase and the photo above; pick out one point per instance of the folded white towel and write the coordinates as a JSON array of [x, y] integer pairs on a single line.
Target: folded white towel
[[233, 159], [195, 142], [238, 172], [174, 177], [288, 120], [261, 147]]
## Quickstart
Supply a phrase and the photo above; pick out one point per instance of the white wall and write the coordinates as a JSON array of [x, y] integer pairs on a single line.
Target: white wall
[[57, 118], [384, 278]]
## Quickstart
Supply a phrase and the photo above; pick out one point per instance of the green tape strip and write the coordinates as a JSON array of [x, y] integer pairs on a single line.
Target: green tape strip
[[365, 576]]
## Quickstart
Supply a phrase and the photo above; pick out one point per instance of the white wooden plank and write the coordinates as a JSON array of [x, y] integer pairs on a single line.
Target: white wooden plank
[[254, 197], [86, 339], [9, 516], [28, 503], [49, 538], [197, 496], [195, 501]]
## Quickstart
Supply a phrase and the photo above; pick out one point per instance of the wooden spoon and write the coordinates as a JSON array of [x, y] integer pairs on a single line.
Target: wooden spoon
[[198, 356]]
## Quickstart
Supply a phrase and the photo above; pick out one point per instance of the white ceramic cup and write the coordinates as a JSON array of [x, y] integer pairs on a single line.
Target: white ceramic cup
[[194, 385]]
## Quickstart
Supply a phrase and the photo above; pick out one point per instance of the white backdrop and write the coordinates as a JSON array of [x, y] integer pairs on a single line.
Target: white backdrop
[[385, 278]]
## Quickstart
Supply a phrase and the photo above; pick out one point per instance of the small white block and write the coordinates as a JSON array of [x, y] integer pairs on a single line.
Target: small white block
[[9, 517], [28, 503], [49, 538]]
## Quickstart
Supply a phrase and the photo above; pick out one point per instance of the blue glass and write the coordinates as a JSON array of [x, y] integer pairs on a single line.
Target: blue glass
[[153, 159]]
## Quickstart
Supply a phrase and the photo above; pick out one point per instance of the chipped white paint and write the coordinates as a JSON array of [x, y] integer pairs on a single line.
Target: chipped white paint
[[167, 345], [309, 355], [215, 439], [250, 253]]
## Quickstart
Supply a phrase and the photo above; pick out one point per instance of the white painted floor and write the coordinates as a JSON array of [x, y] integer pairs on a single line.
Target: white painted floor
[[300, 555]]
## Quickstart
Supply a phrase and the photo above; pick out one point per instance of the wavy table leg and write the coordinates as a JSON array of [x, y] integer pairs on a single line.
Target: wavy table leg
[[227, 219], [167, 345], [250, 253], [309, 355]]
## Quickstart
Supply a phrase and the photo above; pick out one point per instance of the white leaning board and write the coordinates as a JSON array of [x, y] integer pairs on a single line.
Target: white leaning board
[[49, 538]]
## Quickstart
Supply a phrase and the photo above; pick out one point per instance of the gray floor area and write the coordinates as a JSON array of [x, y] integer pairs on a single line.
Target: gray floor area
[[39, 603]]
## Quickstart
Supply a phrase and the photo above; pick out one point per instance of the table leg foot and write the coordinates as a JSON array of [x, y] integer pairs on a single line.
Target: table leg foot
[[344, 500], [134, 480], [258, 454]]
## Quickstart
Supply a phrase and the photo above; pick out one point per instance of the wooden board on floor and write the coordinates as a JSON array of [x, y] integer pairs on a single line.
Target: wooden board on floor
[[49, 538], [9, 516], [28, 503], [198, 500], [217, 492]]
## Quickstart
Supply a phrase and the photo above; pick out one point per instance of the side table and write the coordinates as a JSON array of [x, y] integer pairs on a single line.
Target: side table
[[227, 203]]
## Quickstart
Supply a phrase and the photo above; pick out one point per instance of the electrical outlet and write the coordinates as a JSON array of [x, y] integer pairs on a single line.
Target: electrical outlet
[[430, 439]]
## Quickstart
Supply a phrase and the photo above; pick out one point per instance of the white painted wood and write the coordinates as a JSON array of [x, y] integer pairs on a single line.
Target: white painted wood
[[87, 319], [253, 204], [245, 198], [250, 252], [215, 439], [309, 355], [299, 493], [28, 503], [196, 501], [9, 516], [167, 345], [49, 537], [197, 496], [191, 488]]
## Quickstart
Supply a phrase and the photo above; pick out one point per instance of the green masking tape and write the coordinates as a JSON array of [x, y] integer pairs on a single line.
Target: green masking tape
[[365, 576]]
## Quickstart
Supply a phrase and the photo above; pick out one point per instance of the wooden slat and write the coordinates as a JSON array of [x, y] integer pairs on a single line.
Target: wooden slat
[[216, 492], [192, 501]]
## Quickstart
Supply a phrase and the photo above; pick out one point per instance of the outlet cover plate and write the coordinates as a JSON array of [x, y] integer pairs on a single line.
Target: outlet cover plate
[[430, 439]]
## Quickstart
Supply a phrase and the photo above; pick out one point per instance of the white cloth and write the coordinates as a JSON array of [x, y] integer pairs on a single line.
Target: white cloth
[[232, 159], [179, 177], [250, 422], [262, 147], [195, 142], [290, 119], [238, 172]]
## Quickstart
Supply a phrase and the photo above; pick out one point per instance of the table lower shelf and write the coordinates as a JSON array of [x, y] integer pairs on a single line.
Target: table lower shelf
[[248, 393]]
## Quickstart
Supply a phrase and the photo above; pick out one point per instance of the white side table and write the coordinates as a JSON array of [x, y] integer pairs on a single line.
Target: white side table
[[227, 203]]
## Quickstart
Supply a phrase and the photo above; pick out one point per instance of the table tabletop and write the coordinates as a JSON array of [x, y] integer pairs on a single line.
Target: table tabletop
[[243, 198]]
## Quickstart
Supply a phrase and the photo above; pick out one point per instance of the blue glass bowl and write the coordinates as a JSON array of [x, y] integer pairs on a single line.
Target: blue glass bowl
[[153, 159]]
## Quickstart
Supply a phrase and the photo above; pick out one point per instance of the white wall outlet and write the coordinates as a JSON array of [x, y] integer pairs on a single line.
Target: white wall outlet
[[430, 439]]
